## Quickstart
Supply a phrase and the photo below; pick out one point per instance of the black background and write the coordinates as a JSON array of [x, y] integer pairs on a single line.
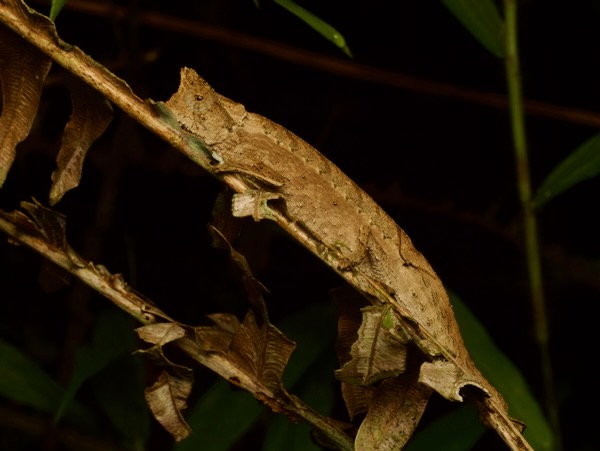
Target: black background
[[442, 167]]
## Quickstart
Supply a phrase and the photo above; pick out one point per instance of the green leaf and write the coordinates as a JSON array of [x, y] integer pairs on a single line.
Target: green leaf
[[55, 8], [119, 390], [24, 382], [582, 164], [458, 430], [317, 390], [482, 19], [220, 418], [113, 336], [503, 375], [316, 23], [311, 342]]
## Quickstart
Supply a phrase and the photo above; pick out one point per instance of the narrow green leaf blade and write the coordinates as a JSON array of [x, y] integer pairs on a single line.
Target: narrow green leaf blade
[[458, 430], [55, 8], [112, 337], [318, 24], [23, 381], [316, 389], [503, 375], [220, 418], [311, 342], [119, 391], [482, 19], [582, 164]]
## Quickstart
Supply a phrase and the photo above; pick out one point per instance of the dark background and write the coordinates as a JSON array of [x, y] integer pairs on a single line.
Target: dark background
[[441, 166]]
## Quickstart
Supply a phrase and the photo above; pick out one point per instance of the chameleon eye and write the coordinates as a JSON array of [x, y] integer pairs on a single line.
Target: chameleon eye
[[198, 97]]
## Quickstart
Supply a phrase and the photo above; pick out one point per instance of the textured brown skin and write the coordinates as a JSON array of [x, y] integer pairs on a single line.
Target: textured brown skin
[[334, 210]]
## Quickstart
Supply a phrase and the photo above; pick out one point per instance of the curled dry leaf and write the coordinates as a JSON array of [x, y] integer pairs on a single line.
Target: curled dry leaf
[[377, 353], [262, 351], [51, 223], [395, 408], [258, 348], [161, 333], [51, 226], [90, 117], [226, 321], [218, 338], [254, 288], [23, 69], [349, 302], [167, 397]]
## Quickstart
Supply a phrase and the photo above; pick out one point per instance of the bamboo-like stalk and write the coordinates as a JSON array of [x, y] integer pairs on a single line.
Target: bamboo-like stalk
[[531, 235]]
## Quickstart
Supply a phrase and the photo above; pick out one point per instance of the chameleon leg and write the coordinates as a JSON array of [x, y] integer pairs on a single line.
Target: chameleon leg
[[253, 203]]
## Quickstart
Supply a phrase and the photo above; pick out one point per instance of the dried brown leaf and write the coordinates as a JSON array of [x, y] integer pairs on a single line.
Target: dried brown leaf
[[23, 223], [226, 321], [52, 227], [356, 398], [254, 288], [51, 223], [262, 353], [90, 117], [218, 338], [378, 353], [167, 397], [349, 302], [394, 412], [213, 339], [23, 69], [160, 333]]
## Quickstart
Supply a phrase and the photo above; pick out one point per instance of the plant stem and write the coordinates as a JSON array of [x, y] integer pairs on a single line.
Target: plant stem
[[529, 219]]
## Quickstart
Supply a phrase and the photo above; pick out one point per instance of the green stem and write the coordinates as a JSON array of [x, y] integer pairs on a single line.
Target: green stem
[[529, 218]]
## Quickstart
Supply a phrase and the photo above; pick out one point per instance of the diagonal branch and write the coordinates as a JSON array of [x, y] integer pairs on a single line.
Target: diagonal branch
[[113, 287]]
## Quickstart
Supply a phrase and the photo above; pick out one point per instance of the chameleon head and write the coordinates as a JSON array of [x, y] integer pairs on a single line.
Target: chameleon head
[[200, 109]]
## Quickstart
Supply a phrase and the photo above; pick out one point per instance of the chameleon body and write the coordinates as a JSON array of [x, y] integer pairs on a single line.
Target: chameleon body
[[352, 233]]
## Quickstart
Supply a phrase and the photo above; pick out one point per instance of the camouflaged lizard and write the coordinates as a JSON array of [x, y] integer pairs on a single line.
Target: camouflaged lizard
[[279, 176]]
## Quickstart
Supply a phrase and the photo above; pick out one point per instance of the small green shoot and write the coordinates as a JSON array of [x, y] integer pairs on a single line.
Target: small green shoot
[[55, 8], [582, 164], [482, 19], [319, 25]]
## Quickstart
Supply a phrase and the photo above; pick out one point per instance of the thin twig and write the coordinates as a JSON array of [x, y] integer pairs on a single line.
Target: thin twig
[[339, 66]]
